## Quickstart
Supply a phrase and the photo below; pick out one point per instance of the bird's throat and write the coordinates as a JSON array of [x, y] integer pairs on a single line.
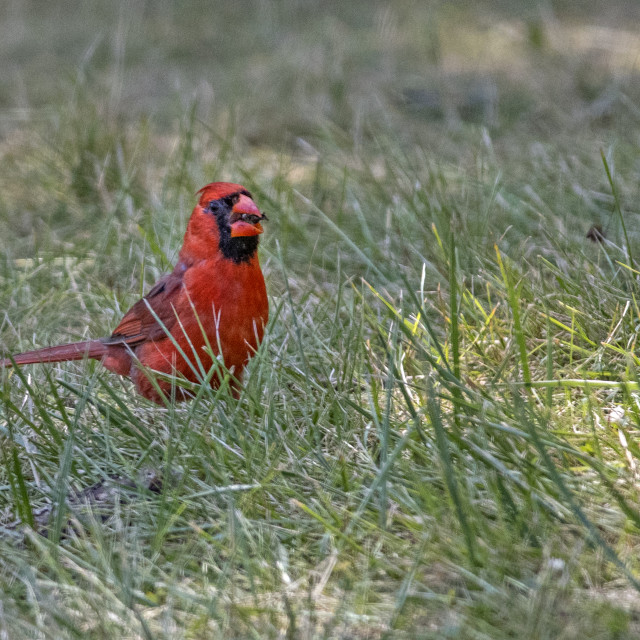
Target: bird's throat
[[238, 250]]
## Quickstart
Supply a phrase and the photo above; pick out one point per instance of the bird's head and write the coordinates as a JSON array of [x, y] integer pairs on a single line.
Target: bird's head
[[226, 219]]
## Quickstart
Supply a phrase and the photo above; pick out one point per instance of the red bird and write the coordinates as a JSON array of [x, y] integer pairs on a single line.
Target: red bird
[[215, 297]]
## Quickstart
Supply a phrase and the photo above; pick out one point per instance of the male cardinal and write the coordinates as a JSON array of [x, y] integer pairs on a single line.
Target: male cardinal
[[214, 301]]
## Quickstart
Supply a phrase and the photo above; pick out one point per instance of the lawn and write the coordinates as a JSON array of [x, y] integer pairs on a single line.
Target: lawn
[[438, 437]]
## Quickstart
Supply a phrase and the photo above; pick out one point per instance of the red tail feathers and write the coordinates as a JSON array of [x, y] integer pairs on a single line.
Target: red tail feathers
[[60, 353]]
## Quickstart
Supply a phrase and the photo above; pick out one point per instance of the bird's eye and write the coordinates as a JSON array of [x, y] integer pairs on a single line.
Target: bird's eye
[[231, 200], [223, 204]]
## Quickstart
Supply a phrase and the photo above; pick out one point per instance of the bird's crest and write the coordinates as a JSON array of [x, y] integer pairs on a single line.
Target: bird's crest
[[217, 190]]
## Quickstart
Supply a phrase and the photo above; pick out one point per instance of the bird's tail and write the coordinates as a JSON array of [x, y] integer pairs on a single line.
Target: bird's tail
[[60, 353]]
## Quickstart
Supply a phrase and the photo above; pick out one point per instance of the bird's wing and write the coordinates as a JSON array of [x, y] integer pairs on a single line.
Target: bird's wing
[[140, 323]]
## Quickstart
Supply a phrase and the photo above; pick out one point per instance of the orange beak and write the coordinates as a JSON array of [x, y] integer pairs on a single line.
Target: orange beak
[[245, 218]]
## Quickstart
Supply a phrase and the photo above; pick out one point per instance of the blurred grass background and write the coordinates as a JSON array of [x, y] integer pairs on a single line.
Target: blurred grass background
[[431, 171]]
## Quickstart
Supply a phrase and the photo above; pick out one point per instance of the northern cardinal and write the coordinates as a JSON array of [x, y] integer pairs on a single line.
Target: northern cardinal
[[215, 294]]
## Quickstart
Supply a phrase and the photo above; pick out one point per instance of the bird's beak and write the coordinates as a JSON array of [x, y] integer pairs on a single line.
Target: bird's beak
[[245, 218]]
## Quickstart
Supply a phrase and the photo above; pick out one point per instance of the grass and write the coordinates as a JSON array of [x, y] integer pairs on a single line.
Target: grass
[[438, 436]]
